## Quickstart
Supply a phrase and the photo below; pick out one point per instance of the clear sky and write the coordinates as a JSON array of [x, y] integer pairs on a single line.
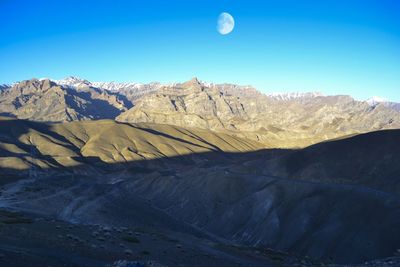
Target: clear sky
[[332, 46]]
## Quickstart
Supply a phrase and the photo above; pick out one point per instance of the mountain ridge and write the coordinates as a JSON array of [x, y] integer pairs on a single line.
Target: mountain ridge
[[281, 120], [115, 86]]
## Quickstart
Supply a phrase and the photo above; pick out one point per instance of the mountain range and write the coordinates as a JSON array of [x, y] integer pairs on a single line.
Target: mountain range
[[195, 174], [276, 120]]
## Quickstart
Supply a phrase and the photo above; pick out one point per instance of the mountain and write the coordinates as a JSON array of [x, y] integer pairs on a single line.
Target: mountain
[[374, 101], [195, 173], [67, 144], [276, 120], [188, 104], [367, 159], [132, 91], [207, 192], [44, 100], [284, 121], [294, 95], [393, 105], [74, 82], [4, 87]]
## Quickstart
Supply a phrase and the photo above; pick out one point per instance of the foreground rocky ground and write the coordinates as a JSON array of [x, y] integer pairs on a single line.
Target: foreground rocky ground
[[27, 240]]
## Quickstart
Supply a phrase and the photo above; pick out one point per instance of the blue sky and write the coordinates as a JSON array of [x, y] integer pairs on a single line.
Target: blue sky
[[331, 46]]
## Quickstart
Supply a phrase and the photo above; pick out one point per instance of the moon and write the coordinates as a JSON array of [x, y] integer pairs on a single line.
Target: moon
[[225, 24]]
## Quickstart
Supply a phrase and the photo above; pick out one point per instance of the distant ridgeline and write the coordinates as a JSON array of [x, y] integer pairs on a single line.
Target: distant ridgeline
[[276, 120]]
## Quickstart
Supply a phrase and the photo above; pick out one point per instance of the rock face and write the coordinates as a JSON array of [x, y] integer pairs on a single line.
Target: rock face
[[277, 121], [44, 100], [188, 104]]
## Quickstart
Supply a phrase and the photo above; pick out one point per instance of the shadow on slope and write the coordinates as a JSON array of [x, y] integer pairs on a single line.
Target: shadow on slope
[[368, 159], [242, 198], [93, 108]]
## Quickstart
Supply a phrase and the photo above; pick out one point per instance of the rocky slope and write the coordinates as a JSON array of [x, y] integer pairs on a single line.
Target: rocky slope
[[335, 202], [276, 120], [283, 122], [367, 159], [44, 100], [374, 101], [71, 144]]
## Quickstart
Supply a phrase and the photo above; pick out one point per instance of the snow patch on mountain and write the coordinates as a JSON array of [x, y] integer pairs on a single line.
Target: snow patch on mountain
[[133, 90], [4, 86], [111, 86], [116, 86], [376, 100], [294, 95], [73, 82]]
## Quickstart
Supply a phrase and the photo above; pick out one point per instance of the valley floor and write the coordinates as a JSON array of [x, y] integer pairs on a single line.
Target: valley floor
[[27, 240]]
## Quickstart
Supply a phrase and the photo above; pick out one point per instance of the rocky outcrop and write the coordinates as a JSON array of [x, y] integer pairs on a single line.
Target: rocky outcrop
[[44, 100], [189, 104], [283, 122]]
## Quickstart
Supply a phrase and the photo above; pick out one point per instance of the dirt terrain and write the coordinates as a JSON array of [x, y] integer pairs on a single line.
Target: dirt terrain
[[93, 193]]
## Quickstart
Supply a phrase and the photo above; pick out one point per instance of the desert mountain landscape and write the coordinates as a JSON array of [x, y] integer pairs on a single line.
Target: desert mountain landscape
[[219, 174], [276, 120], [200, 133]]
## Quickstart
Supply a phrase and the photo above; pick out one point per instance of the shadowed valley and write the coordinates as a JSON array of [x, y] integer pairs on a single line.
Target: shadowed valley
[[224, 200]]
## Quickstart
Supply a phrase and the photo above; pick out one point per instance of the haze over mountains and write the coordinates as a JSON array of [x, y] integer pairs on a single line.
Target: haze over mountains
[[276, 120]]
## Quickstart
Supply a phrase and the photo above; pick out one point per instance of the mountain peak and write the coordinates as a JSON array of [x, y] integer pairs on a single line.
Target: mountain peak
[[193, 83], [37, 83], [74, 78], [194, 80], [376, 100], [74, 81], [294, 95]]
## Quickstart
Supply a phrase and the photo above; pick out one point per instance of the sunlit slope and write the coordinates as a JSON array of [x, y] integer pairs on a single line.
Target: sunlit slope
[[71, 144]]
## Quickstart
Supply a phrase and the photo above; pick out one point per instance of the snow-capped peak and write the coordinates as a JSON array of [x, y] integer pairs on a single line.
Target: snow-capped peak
[[77, 82], [130, 86], [73, 82], [376, 100], [294, 95], [4, 86]]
